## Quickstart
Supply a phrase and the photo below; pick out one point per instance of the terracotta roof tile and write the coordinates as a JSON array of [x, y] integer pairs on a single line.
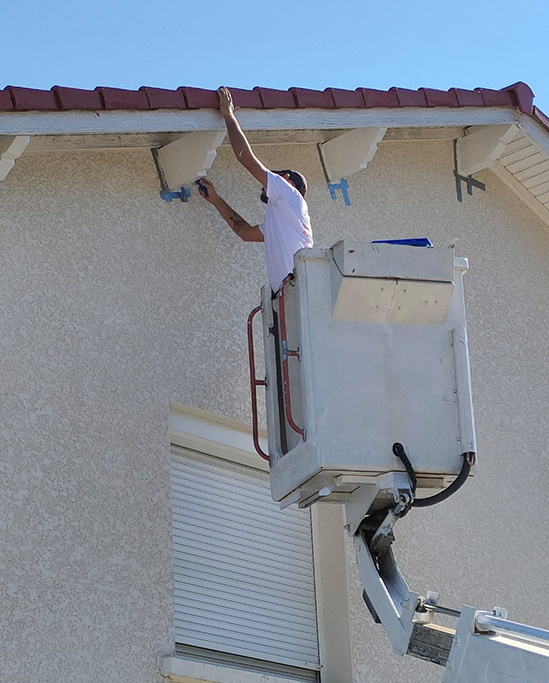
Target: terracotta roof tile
[[440, 98], [468, 98], [409, 98], [496, 98], [379, 98], [197, 98], [74, 98], [29, 99], [159, 98], [250, 99], [276, 99], [6, 103], [313, 99], [12, 98], [117, 98], [346, 98]]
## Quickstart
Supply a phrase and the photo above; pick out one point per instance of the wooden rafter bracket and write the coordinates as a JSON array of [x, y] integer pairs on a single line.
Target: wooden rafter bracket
[[11, 148], [189, 157]]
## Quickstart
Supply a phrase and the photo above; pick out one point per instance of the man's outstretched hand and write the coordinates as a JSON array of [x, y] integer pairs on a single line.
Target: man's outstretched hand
[[226, 105], [212, 195]]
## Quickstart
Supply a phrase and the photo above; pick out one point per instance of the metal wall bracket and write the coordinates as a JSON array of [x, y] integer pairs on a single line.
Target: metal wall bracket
[[469, 181], [183, 195], [343, 185]]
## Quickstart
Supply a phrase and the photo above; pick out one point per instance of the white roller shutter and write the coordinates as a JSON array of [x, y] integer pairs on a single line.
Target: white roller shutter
[[243, 568]]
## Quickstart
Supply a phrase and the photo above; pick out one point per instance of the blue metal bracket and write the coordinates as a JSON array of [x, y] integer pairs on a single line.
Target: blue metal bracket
[[343, 185], [168, 195]]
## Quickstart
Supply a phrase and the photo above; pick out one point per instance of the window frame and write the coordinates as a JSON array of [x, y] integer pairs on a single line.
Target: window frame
[[230, 440]]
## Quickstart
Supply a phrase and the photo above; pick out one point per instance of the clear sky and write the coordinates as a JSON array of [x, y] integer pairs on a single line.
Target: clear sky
[[306, 43]]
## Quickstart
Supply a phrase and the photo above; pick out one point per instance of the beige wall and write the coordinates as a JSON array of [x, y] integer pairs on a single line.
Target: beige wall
[[114, 303]]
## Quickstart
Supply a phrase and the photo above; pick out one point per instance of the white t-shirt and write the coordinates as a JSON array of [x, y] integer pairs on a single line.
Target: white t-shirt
[[286, 228]]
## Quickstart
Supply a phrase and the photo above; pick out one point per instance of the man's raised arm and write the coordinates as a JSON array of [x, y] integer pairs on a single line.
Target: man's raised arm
[[239, 143]]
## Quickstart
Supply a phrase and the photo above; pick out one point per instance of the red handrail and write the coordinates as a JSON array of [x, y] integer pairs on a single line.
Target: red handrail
[[254, 383], [285, 354]]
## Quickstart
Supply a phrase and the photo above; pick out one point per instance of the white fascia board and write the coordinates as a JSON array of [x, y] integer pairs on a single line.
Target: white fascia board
[[350, 152], [190, 157], [535, 131], [11, 148], [482, 147], [170, 121]]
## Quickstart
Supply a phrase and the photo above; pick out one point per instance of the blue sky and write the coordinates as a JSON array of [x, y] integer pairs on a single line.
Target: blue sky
[[306, 43]]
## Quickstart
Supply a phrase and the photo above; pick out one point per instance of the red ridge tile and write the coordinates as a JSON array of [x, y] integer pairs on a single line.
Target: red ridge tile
[[346, 98], [496, 98], [276, 99], [197, 98], [440, 98], [468, 98], [409, 98], [524, 96], [6, 103], [29, 99], [313, 99], [117, 98], [246, 98], [379, 98], [159, 98], [74, 98]]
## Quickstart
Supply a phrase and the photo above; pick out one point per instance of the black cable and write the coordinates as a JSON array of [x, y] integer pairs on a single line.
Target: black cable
[[398, 450], [468, 462]]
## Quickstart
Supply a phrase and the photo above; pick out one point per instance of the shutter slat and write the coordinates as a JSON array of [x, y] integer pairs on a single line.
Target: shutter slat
[[206, 534], [192, 486], [270, 601], [278, 656], [266, 515], [193, 601], [253, 632], [233, 517], [262, 575], [243, 570]]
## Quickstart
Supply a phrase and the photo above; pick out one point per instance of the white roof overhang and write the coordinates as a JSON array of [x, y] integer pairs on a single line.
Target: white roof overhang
[[521, 159]]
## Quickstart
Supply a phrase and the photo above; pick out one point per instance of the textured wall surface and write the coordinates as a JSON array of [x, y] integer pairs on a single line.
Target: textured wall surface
[[113, 303]]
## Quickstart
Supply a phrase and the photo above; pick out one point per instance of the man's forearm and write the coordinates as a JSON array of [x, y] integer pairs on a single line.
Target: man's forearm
[[237, 224]]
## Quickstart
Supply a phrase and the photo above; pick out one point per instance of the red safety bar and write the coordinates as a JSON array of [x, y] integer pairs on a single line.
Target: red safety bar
[[285, 355], [254, 383]]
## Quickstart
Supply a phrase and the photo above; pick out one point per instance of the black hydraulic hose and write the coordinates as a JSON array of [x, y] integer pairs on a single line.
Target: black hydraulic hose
[[468, 462], [398, 450], [450, 490]]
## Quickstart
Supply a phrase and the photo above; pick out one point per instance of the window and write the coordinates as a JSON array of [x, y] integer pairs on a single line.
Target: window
[[246, 590], [243, 568]]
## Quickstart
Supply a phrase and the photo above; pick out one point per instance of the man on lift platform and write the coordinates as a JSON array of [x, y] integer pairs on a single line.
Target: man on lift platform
[[286, 227]]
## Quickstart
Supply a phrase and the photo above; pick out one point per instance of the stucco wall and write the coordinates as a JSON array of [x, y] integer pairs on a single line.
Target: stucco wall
[[114, 303]]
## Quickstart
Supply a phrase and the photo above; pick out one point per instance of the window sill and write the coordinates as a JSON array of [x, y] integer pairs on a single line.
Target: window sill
[[188, 671]]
